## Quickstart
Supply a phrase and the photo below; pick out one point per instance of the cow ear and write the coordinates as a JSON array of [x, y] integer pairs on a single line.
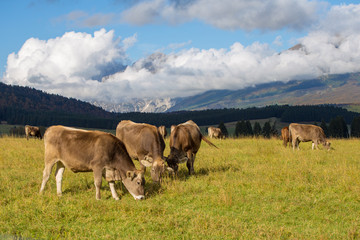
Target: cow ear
[[130, 174], [149, 159], [146, 163]]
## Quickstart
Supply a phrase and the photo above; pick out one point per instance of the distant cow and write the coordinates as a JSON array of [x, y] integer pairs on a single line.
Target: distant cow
[[306, 133], [162, 131], [90, 151], [185, 142], [285, 136], [31, 131], [214, 132], [144, 143]]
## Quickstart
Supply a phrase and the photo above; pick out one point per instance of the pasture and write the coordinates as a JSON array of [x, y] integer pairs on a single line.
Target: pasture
[[247, 189]]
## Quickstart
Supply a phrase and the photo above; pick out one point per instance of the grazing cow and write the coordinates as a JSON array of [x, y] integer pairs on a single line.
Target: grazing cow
[[214, 132], [90, 151], [285, 136], [144, 143], [32, 131], [162, 131], [185, 142], [306, 133]]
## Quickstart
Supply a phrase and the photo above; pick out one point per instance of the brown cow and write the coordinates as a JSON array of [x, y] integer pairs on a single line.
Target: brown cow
[[90, 151], [144, 143], [306, 133], [285, 136], [162, 131], [185, 142], [32, 131], [214, 132]]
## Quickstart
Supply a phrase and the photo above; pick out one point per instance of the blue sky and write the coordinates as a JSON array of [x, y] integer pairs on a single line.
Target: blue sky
[[173, 47]]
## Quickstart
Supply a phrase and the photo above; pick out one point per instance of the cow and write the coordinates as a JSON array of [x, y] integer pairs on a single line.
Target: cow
[[31, 131], [185, 140], [90, 151], [214, 132], [285, 136], [306, 133], [144, 143], [162, 131]]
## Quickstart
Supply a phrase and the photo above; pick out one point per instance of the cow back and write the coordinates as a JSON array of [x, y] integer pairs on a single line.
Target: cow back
[[306, 132], [140, 138], [186, 136], [82, 150]]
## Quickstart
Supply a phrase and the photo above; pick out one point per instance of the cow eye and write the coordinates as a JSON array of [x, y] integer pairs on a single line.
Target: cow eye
[[138, 182]]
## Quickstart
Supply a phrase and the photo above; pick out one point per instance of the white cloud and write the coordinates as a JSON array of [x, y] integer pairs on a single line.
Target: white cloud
[[67, 63], [228, 14], [342, 19], [130, 41]]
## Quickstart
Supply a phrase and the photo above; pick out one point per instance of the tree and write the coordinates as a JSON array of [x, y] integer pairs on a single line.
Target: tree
[[274, 131], [257, 129], [223, 129], [240, 129], [249, 130], [355, 127], [324, 127], [266, 131], [338, 128]]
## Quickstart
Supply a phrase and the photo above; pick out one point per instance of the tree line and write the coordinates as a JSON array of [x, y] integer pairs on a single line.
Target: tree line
[[337, 128], [20, 116]]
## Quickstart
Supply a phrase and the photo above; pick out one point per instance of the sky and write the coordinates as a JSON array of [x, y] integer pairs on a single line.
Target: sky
[[116, 50]]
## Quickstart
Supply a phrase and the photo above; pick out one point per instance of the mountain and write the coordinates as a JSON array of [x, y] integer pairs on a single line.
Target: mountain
[[341, 89], [138, 105]]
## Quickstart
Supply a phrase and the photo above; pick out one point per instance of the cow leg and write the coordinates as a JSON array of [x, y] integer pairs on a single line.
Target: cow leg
[[316, 144], [60, 168], [190, 162], [294, 141], [113, 191], [97, 182], [313, 145], [46, 174]]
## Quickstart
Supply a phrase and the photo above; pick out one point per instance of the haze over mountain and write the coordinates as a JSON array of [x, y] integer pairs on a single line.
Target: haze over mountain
[[341, 89]]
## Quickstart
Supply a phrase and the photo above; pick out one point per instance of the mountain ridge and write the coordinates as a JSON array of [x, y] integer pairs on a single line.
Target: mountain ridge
[[339, 89]]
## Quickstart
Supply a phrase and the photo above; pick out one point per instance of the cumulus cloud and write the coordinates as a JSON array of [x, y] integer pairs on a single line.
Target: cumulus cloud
[[87, 67], [66, 64], [228, 14]]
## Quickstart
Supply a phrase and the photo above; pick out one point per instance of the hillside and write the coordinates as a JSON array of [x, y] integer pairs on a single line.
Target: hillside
[[31, 99], [23, 105], [342, 89]]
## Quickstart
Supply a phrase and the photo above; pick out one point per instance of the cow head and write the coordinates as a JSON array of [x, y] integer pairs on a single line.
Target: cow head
[[327, 145], [134, 183], [176, 156], [157, 168]]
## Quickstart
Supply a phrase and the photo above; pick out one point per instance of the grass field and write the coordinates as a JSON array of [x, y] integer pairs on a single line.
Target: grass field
[[246, 189]]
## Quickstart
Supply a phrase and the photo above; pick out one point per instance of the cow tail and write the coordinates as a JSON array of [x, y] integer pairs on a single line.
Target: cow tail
[[208, 142]]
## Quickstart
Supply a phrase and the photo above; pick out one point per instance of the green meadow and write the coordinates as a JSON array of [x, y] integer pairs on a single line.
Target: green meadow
[[247, 189]]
